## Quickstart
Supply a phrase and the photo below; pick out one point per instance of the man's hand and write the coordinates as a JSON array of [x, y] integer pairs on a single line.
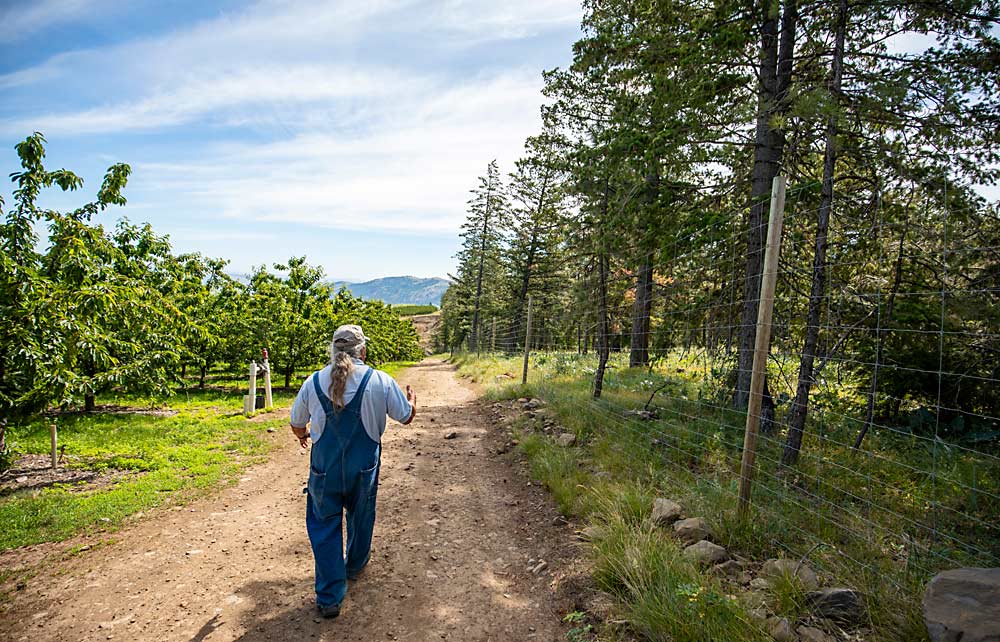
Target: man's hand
[[412, 398], [302, 435]]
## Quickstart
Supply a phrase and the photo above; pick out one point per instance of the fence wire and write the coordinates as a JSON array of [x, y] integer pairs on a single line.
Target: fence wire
[[898, 474]]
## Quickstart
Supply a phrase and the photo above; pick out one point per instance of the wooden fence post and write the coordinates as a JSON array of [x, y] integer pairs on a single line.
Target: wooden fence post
[[53, 437], [763, 339], [527, 345]]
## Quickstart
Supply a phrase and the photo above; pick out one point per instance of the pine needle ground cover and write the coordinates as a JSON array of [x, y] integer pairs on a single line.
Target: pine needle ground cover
[[822, 510]]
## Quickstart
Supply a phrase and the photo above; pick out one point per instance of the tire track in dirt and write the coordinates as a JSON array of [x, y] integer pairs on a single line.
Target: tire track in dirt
[[456, 528]]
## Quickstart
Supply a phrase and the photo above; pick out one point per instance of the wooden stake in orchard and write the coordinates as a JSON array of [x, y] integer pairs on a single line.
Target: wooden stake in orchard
[[53, 438]]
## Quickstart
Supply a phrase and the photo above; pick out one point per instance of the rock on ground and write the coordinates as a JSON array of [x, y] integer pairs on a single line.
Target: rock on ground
[[812, 634], [666, 511], [791, 569], [731, 568], [780, 629], [706, 553], [841, 605], [566, 439], [691, 530], [963, 604], [590, 533]]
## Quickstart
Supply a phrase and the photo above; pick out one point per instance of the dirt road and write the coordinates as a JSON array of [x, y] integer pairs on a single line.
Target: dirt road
[[457, 526]]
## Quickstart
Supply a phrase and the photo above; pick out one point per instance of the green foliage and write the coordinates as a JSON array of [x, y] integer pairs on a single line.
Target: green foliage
[[102, 311], [86, 315], [408, 310]]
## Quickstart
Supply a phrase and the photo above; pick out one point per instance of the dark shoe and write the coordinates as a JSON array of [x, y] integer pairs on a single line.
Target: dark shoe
[[329, 612], [353, 576]]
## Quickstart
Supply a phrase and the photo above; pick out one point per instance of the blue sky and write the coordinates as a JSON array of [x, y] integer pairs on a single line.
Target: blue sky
[[347, 131]]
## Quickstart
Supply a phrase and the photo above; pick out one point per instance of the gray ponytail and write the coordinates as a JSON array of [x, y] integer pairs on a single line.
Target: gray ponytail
[[342, 365]]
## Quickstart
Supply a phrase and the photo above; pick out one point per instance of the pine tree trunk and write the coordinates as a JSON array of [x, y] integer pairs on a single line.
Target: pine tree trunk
[[603, 322], [769, 146], [639, 353], [880, 341], [604, 329], [474, 339], [800, 404]]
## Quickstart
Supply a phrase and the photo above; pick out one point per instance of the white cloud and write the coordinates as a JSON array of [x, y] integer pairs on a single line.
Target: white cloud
[[241, 96], [411, 171], [20, 20], [345, 132]]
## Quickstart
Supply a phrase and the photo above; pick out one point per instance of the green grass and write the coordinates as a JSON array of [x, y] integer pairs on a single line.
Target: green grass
[[860, 519], [165, 459], [408, 310]]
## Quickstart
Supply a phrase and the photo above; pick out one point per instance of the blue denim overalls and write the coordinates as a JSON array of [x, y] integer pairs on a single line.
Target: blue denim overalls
[[343, 474]]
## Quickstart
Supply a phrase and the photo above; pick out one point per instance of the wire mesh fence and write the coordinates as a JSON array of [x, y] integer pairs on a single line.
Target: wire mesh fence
[[897, 474]]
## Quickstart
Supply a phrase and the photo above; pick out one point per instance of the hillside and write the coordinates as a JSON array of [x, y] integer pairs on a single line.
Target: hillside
[[400, 289]]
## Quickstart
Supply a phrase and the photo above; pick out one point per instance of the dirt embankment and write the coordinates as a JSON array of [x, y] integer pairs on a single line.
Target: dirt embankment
[[427, 326], [458, 524]]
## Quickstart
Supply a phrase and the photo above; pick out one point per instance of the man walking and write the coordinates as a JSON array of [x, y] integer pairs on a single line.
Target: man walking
[[345, 405]]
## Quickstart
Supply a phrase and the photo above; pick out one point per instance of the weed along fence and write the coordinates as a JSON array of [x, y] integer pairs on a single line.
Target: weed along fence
[[861, 435]]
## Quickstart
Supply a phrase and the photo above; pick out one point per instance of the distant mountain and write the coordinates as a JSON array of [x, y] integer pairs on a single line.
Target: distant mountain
[[400, 289]]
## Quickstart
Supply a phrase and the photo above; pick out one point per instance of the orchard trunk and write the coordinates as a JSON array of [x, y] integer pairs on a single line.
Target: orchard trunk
[[800, 404], [89, 402], [201, 376]]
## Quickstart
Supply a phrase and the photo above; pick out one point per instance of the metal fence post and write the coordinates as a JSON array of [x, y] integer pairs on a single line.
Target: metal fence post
[[527, 345], [763, 339]]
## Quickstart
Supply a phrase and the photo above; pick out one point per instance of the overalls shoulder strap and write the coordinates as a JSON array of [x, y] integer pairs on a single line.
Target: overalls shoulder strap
[[324, 400], [356, 400]]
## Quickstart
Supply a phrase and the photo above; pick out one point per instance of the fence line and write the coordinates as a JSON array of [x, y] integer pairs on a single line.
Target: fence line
[[901, 455]]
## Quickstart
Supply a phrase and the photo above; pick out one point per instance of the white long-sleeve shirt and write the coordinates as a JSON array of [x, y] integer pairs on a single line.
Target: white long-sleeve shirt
[[383, 396]]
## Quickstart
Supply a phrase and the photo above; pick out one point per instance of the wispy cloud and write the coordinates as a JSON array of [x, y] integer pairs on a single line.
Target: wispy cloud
[[409, 171], [21, 20], [373, 116], [234, 97]]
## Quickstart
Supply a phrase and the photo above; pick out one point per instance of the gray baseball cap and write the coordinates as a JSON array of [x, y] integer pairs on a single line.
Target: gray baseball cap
[[348, 336]]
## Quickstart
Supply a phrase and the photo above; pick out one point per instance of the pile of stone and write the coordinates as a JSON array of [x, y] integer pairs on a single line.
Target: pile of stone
[[838, 606]]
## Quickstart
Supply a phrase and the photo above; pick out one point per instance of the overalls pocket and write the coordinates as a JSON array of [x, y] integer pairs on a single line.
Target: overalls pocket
[[317, 494], [369, 482]]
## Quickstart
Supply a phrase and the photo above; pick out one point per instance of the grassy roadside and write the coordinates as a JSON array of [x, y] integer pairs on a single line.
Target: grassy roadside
[[691, 455], [144, 453]]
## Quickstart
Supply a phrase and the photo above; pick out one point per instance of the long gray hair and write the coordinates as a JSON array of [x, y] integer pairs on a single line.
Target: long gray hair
[[342, 365]]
